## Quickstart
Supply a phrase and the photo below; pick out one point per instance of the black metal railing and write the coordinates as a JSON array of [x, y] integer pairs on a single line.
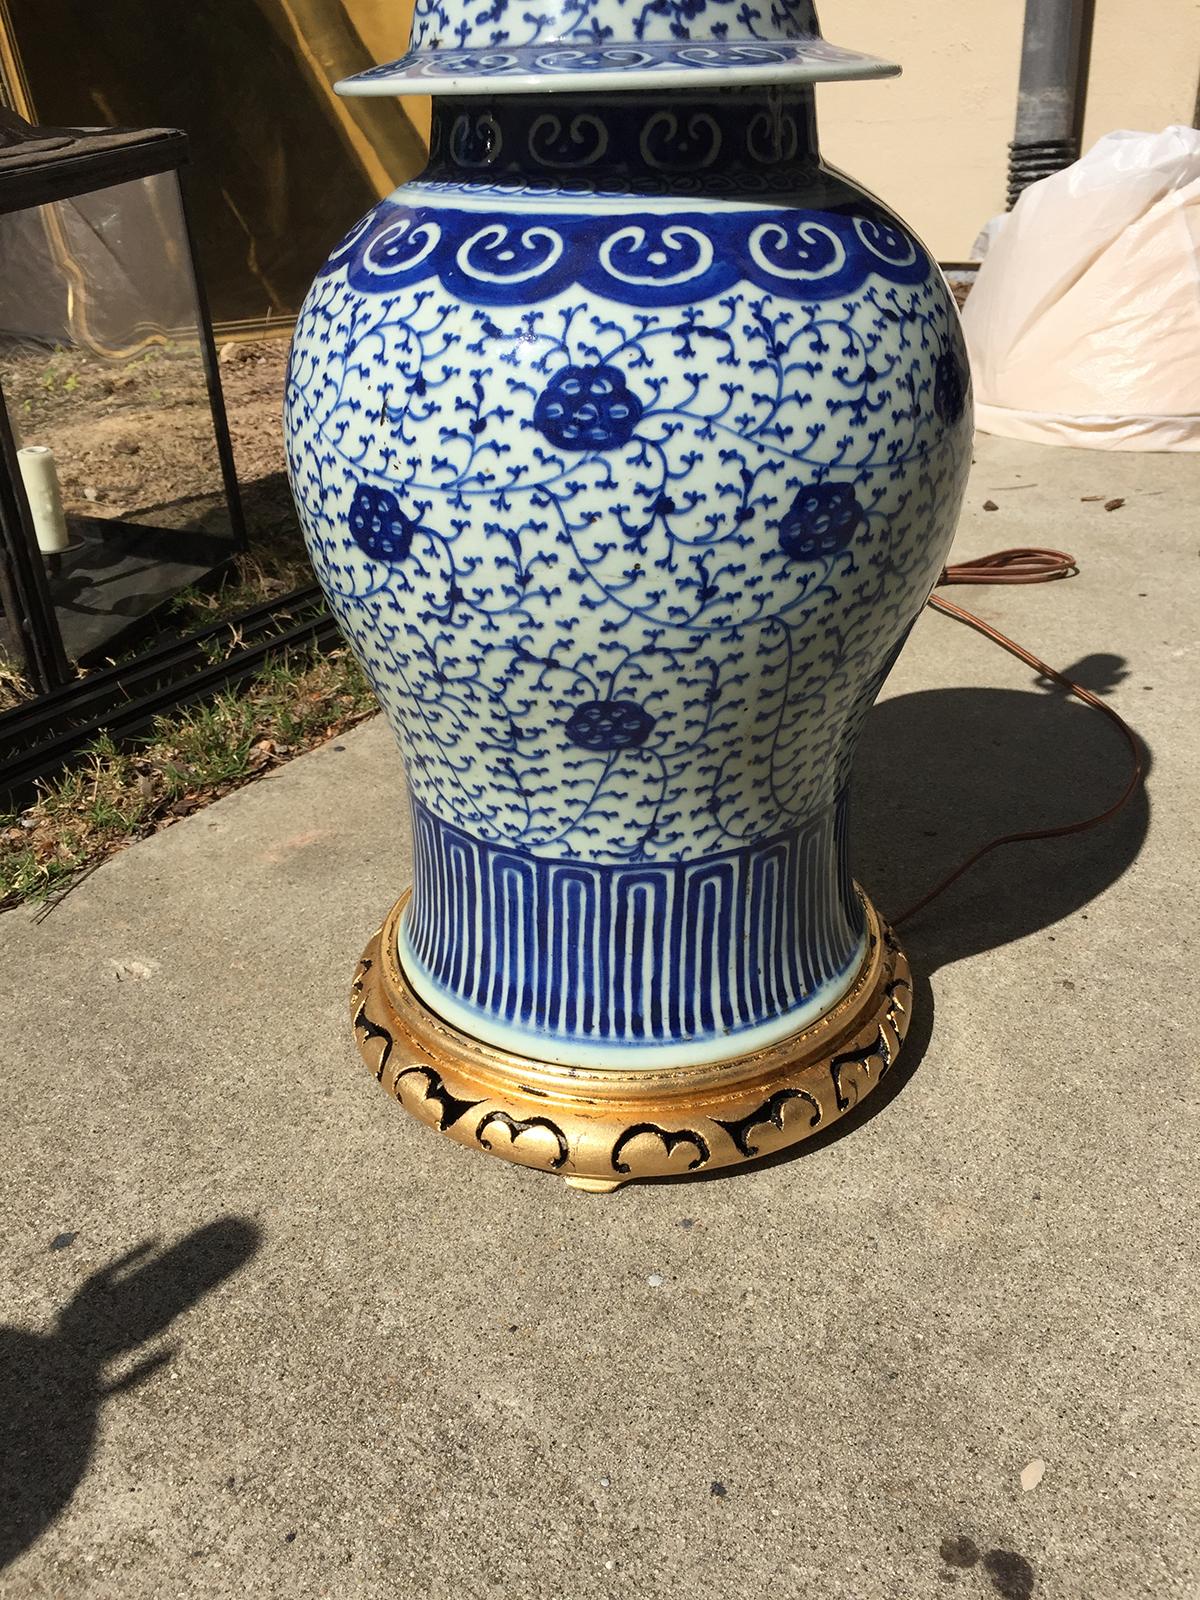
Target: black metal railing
[[41, 737]]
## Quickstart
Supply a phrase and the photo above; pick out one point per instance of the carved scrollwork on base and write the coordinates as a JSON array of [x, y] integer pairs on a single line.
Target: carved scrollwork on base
[[599, 1129]]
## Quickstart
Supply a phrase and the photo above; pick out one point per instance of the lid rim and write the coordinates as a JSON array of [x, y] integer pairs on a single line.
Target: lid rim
[[566, 67]]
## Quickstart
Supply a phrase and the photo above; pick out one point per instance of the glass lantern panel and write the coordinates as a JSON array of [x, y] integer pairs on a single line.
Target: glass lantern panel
[[102, 363]]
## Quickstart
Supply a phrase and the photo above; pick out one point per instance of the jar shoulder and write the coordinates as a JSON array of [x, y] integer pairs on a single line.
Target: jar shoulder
[[822, 239], [815, 187]]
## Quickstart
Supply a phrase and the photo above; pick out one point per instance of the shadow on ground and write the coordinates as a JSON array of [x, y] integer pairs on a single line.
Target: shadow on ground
[[270, 512], [52, 1386], [941, 772]]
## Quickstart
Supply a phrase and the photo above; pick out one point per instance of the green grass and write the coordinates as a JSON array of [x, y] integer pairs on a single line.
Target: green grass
[[14, 691], [264, 572], [116, 795]]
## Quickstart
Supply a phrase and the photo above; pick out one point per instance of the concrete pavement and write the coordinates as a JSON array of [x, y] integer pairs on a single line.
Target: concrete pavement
[[360, 1362]]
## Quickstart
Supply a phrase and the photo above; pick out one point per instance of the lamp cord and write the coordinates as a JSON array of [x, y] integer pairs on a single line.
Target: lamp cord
[[1026, 565]]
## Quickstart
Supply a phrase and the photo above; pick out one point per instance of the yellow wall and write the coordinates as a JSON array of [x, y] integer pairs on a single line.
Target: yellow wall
[[1145, 65], [383, 27], [934, 143]]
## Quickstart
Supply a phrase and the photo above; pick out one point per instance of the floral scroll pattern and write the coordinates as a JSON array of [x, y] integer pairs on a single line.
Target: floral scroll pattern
[[496, 24], [625, 513]]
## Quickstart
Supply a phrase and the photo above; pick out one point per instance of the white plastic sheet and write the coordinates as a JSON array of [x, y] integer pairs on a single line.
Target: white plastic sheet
[[1084, 323]]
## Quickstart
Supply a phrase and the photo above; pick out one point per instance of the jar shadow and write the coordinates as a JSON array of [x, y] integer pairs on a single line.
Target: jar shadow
[[943, 771], [939, 773]]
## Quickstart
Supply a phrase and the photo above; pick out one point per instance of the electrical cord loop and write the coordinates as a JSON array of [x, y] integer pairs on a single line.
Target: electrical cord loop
[[1026, 566]]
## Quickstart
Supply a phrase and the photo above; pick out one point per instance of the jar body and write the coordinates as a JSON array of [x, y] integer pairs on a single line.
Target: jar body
[[626, 471]]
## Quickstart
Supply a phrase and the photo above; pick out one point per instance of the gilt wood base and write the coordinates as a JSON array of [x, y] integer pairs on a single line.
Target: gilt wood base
[[599, 1129]]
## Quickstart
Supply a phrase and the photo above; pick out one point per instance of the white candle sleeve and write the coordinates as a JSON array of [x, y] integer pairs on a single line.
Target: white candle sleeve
[[40, 477]]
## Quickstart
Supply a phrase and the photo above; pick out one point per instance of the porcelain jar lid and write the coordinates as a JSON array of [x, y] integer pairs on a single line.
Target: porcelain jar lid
[[465, 47]]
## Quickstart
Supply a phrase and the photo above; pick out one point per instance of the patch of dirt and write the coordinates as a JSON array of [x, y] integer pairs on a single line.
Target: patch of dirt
[[252, 375], [252, 378], [134, 439]]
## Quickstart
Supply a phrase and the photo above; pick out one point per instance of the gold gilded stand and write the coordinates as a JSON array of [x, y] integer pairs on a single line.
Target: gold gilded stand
[[599, 1129]]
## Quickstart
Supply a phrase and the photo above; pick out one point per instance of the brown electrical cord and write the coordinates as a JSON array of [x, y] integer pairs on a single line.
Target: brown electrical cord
[[1025, 566], [1021, 565]]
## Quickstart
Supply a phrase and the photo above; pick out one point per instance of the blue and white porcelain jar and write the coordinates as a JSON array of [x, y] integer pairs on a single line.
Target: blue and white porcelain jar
[[628, 442]]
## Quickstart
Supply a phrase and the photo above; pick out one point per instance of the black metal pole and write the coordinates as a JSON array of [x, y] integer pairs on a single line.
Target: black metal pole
[[1047, 132], [212, 379], [28, 607]]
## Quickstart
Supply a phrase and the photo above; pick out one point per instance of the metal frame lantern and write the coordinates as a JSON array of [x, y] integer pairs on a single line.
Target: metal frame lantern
[[126, 565]]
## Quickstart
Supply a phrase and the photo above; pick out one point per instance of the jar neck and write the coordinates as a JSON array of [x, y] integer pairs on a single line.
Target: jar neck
[[723, 142]]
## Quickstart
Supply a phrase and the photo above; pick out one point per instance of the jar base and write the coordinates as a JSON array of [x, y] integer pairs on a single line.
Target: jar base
[[600, 1128]]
